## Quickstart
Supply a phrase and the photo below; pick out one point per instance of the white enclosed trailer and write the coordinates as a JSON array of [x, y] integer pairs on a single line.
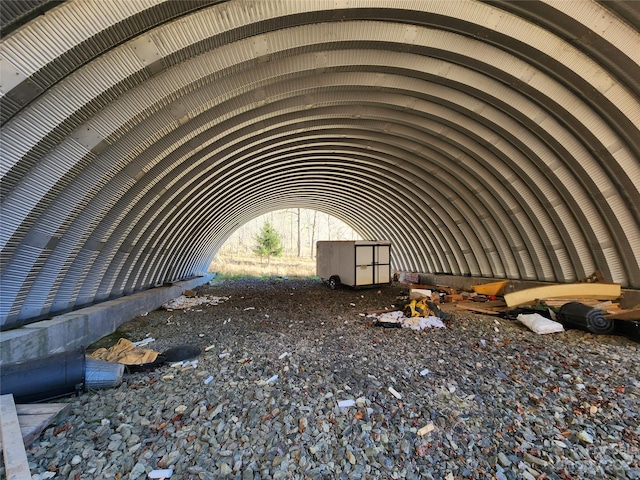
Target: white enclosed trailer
[[356, 263]]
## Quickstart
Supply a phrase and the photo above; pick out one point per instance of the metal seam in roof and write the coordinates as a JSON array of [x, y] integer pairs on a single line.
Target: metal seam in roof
[[126, 165]]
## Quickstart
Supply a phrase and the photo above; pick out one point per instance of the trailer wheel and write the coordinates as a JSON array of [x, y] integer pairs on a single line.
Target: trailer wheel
[[334, 281]]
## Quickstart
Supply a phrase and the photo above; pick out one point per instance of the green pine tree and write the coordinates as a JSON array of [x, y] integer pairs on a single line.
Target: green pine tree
[[269, 243]]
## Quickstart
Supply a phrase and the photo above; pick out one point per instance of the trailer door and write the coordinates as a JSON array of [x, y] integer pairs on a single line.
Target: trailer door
[[364, 264], [382, 264]]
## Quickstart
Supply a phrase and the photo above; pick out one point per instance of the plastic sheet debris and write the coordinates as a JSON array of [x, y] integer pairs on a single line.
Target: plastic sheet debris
[[143, 342], [388, 319], [539, 324], [164, 473], [424, 372], [420, 323], [395, 393], [397, 319], [266, 382], [223, 355], [190, 364], [183, 302], [346, 403], [185, 364], [284, 355]]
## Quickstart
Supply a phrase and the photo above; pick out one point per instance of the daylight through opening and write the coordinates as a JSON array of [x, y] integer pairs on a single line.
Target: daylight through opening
[[295, 231]]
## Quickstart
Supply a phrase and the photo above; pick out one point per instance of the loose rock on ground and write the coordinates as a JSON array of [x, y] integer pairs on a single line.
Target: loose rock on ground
[[502, 401]]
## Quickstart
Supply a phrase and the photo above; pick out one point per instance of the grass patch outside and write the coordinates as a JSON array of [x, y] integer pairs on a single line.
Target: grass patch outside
[[236, 266]]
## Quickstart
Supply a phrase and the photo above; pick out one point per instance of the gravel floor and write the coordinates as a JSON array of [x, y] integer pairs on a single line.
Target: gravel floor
[[500, 401]]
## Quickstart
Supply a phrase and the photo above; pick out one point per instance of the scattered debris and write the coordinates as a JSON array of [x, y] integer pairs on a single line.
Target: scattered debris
[[426, 429], [395, 393], [186, 303], [144, 342], [423, 322], [346, 403], [160, 474], [268, 381], [539, 324], [190, 364], [453, 298], [208, 380], [417, 293], [388, 319], [595, 277], [495, 307], [418, 310]]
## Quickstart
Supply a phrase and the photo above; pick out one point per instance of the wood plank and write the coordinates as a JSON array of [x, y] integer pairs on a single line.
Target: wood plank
[[34, 418], [42, 408], [15, 458], [632, 314], [438, 288], [600, 291], [31, 426], [475, 308]]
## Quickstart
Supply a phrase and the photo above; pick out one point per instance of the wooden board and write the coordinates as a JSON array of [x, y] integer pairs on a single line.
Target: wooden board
[[34, 418], [438, 288], [633, 314], [15, 458], [495, 307], [600, 291]]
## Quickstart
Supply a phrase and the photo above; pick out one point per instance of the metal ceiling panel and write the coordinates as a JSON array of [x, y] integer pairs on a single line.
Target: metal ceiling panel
[[123, 155]]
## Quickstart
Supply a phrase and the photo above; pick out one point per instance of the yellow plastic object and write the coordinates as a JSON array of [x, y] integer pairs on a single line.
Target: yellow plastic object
[[493, 288], [417, 308]]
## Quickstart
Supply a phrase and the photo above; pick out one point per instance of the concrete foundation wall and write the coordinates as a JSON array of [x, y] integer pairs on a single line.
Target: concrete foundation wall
[[83, 327]]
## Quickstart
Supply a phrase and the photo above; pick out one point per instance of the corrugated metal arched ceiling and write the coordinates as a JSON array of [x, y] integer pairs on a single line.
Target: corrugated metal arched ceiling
[[496, 139]]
